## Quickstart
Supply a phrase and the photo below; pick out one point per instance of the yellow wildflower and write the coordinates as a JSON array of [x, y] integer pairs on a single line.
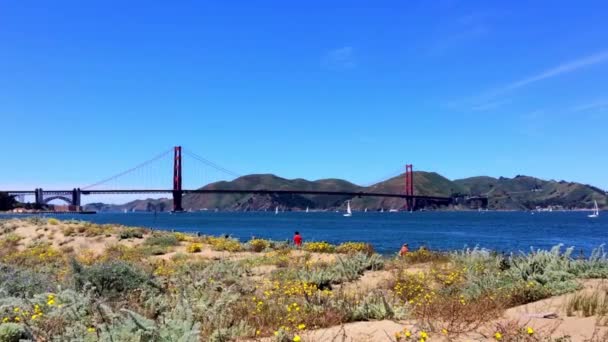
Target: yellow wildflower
[[530, 331], [302, 326], [91, 329], [17, 319], [16, 309], [297, 338], [444, 331], [424, 335], [408, 333], [5, 319], [498, 336]]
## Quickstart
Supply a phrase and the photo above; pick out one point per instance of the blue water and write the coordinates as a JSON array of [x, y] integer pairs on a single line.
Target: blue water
[[501, 231]]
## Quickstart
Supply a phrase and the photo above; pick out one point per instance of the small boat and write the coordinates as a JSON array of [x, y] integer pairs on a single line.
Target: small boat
[[349, 213], [124, 211], [365, 210], [596, 211], [276, 210], [306, 209], [381, 210], [393, 210]]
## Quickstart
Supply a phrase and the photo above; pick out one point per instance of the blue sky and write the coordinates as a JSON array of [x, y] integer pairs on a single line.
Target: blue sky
[[312, 89]]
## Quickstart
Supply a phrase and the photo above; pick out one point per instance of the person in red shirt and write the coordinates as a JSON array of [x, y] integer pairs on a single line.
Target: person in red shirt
[[297, 239]]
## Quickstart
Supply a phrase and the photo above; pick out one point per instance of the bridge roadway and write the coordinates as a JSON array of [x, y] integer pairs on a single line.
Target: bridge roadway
[[232, 191]]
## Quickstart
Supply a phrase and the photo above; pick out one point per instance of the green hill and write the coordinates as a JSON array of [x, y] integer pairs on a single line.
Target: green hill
[[518, 193], [524, 192], [425, 183], [269, 202]]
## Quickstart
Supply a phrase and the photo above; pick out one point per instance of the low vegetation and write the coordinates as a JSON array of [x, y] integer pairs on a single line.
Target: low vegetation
[[163, 286]]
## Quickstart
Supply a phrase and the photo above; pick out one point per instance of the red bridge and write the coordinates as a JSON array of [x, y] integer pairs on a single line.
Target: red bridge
[[73, 196]]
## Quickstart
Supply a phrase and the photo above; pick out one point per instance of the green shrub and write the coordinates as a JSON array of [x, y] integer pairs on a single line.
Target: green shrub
[[111, 279], [194, 247], [374, 306], [355, 247], [164, 240], [319, 247], [223, 244], [10, 239], [12, 332], [423, 255], [182, 237], [130, 234], [153, 250], [53, 221], [345, 269], [523, 293], [258, 245], [22, 282]]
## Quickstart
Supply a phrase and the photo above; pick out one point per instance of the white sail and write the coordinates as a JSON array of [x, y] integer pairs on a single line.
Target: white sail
[[306, 209], [348, 211], [596, 210], [276, 210]]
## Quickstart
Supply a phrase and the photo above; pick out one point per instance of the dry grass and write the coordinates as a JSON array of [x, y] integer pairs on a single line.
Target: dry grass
[[589, 303]]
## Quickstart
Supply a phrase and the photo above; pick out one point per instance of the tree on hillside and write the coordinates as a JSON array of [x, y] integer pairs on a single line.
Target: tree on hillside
[[7, 202]]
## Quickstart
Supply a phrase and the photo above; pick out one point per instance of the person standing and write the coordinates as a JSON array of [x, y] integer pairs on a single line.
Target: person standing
[[404, 249], [297, 239]]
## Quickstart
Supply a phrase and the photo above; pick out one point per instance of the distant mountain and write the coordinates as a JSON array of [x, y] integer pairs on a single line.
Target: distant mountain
[[245, 202], [150, 204], [518, 193], [525, 192]]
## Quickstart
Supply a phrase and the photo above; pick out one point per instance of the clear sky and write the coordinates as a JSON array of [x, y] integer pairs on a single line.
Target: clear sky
[[312, 89]]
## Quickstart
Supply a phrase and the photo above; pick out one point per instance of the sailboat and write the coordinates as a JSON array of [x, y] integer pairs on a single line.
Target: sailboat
[[596, 211], [365, 210], [381, 210], [276, 210], [349, 213], [306, 209]]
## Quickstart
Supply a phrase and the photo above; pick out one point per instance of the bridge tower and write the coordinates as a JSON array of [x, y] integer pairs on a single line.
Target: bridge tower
[[39, 197], [409, 187], [177, 179], [76, 197]]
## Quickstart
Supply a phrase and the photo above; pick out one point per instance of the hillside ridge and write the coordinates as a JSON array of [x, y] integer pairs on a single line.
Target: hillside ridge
[[518, 193]]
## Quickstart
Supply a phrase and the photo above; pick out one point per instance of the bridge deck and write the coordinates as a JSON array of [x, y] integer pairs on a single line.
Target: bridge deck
[[233, 191]]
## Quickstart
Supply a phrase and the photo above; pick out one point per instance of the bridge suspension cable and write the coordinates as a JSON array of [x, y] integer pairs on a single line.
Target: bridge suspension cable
[[135, 168], [209, 163]]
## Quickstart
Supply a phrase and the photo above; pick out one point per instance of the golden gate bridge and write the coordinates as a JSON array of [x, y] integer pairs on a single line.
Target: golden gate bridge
[[73, 196]]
